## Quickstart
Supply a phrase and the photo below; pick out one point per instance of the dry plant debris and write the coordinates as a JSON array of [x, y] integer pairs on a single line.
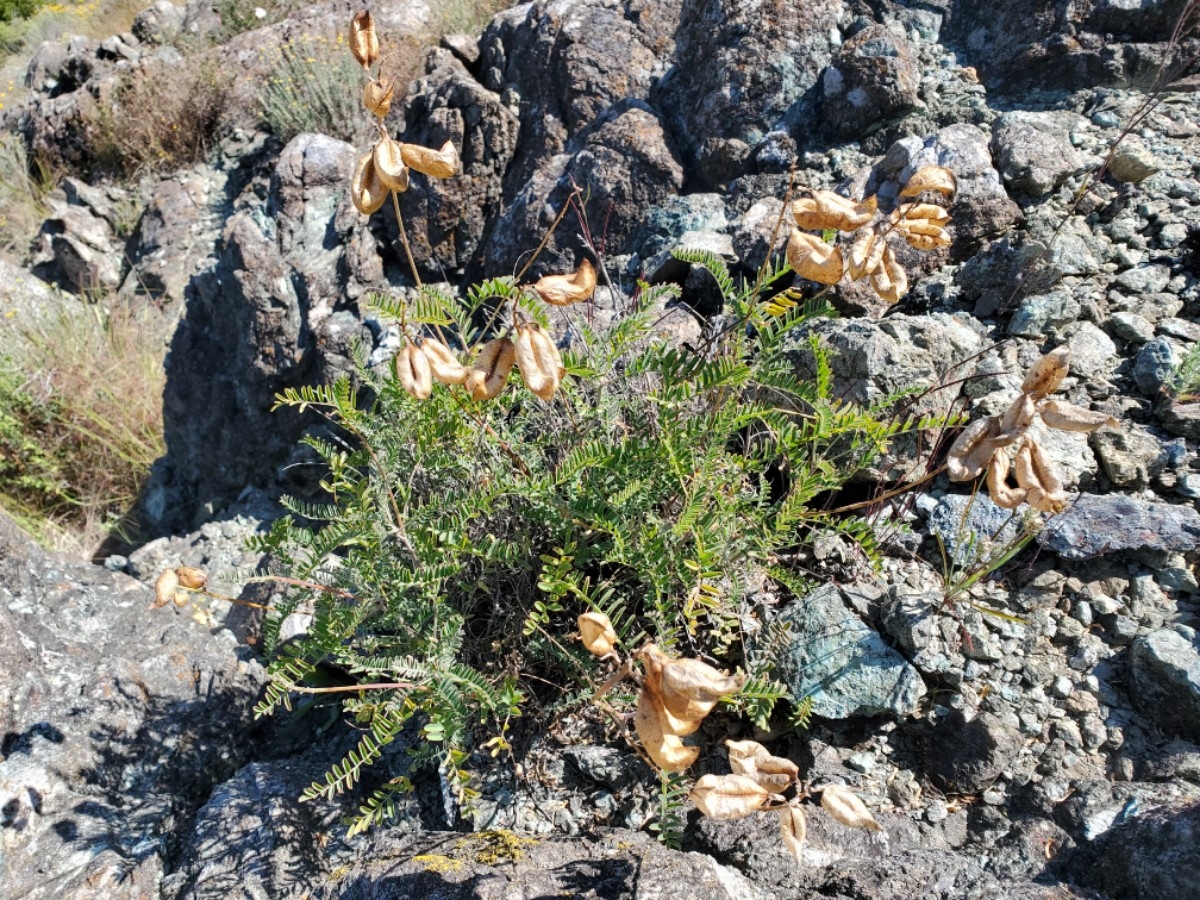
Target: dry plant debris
[[921, 225], [676, 696], [172, 586], [984, 445]]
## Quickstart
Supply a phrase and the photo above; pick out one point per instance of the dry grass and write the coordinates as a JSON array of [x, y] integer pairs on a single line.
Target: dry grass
[[160, 120], [465, 16], [22, 198], [80, 419]]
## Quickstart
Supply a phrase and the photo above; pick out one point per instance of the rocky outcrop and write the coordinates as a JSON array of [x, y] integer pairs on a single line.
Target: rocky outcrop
[[276, 309], [115, 723]]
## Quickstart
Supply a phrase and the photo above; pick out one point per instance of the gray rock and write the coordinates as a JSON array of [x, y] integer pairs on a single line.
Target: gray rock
[[1147, 853], [1154, 365], [1144, 279], [626, 165], [981, 207], [159, 24], [1098, 525], [1129, 326], [116, 721], [1016, 52], [874, 360], [248, 335], [45, 66], [872, 78], [1132, 162], [26, 302], [1041, 313], [664, 226], [752, 231], [1033, 160], [1093, 353], [1129, 455], [78, 251], [760, 74], [1164, 673], [967, 755], [471, 867], [842, 664]]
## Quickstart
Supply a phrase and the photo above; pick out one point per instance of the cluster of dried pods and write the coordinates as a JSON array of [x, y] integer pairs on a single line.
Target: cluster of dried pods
[[385, 167], [758, 784], [676, 695], [173, 584], [921, 225], [527, 346], [424, 360], [985, 443]]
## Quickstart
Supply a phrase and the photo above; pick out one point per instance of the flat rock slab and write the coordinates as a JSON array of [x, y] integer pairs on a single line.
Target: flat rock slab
[[844, 666], [1095, 525], [486, 865]]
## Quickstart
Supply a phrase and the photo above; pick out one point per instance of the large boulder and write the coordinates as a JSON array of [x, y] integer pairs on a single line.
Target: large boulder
[[760, 73], [1023, 45], [276, 309]]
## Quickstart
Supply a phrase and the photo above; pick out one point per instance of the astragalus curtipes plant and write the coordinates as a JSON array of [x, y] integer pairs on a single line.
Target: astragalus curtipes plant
[[472, 516]]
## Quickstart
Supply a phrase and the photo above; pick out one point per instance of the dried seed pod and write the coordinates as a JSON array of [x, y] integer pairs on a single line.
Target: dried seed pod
[[931, 178], [377, 96], [890, 281], [441, 163], [691, 688], [814, 259], [597, 633], [548, 356], [1001, 493], [538, 369], [847, 808], [963, 463], [794, 829], [189, 577], [742, 755], [1045, 468], [1016, 420], [825, 209], [487, 377], [915, 212], [366, 190], [753, 760], [866, 255], [412, 370], [654, 662], [667, 750], [563, 290], [164, 589], [1063, 416], [443, 363], [726, 797], [389, 165], [1047, 374], [921, 224], [364, 42], [1036, 474]]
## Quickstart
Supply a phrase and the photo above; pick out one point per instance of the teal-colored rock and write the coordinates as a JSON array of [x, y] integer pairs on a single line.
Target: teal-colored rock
[[844, 666]]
